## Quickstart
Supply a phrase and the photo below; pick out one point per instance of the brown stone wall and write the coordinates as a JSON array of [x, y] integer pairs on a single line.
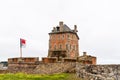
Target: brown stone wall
[[64, 42], [21, 67], [42, 68], [52, 68]]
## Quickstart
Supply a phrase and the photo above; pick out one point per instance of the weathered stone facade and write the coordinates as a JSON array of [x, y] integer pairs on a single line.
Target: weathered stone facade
[[63, 42]]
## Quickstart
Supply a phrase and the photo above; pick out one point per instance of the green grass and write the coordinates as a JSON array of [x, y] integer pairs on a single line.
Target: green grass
[[22, 76]]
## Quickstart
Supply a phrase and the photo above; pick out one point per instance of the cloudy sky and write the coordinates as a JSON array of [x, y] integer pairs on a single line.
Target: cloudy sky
[[98, 24]]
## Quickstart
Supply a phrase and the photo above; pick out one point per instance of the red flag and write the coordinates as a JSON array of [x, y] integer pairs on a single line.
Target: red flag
[[22, 42]]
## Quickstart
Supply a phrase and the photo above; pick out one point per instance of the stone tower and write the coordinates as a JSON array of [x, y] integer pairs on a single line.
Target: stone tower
[[63, 42]]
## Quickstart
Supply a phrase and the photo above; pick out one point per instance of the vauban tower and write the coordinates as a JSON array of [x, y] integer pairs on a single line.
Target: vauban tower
[[63, 43], [64, 46]]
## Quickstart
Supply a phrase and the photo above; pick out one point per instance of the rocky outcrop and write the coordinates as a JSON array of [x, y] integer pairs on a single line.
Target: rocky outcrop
[[98, 72]]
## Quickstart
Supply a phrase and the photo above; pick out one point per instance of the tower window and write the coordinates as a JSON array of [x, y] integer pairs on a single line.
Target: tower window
[[60, 46], [55, 47], [72, 36], [73, 47], [63, 36], [66, 46], [68, 36]]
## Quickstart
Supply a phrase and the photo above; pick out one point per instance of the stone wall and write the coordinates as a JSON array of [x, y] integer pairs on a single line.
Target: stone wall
[[51, 68], [98, 72], [21, 67], [87, 72], [42, 68]]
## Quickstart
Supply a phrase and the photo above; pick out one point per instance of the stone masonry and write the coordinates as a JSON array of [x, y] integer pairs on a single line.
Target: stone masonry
[[98, 72], [51, 68], [42, 68], [86, 72], [63, 42]]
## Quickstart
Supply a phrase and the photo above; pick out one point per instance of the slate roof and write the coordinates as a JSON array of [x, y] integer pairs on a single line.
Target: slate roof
[[65, 29]]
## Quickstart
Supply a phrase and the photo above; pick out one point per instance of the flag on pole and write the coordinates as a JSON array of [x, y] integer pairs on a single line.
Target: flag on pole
[[22, 42]]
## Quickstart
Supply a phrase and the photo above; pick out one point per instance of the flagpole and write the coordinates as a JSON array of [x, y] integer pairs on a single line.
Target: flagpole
[[22, 43], [20, 52], [20, 48]]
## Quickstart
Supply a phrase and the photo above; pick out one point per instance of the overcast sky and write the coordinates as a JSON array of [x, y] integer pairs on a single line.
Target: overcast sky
[[98, 23]]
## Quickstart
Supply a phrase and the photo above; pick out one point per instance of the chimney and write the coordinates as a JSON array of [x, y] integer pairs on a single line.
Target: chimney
[[84, 53], [61, 26], [53, 29], [61, 23], [75, 28]]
